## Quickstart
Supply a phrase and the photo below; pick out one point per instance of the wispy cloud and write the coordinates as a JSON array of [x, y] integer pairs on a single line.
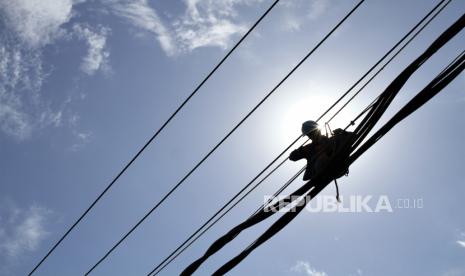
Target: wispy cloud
[[97, 54], [307, 269], [204, 23], [28, 26], [22, 231], [292, 23], [21, 76], [210, 23], [140, 14], [80, 140], [37, 22], [317, 8], [461, 240], [297, 13]]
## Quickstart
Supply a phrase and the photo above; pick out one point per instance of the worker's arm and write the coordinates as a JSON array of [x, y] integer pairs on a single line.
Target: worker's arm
[[297, 154]]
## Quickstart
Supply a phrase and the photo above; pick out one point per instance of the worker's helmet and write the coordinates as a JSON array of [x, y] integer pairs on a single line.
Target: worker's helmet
[[309, 126]]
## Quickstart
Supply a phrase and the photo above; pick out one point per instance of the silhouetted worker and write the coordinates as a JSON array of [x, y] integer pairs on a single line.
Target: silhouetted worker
[[322, 150], [317, 153]]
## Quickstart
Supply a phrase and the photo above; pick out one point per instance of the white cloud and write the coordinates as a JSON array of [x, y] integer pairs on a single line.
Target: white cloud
[[205, 23], [21, 231], [292, 24], [28, 26], [21, 75], [317, 8], [14, 122], [296, 13], [209, 23], [307, 269], [461, 240], [81, 139], [49, 117], [97, 54], [37, 22], [141, 15], [40, 22]]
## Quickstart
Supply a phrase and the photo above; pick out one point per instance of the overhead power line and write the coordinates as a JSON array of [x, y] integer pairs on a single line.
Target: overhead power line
[[224, 138], [188, 242], [389, 61], [345, 156], [197, 88]]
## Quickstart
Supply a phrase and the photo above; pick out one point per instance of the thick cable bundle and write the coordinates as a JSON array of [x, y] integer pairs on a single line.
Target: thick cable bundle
[[413, 33], [319, 182]]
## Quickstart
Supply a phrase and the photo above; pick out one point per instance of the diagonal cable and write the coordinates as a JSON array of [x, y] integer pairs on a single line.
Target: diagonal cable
[[91, 206], [223, 139], [389, 61], [175, 253]]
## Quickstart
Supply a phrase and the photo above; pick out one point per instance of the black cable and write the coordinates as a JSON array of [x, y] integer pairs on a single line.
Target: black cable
[[336, 165], [280, 190], [160, 266], [365, 127], [392, 49], [212, 218], [447, 75], [165, 262], [153, 137], [261, 209], [389, 61], [224, 139], [434, 87], [373, 102], [452, 62], [361, 113]]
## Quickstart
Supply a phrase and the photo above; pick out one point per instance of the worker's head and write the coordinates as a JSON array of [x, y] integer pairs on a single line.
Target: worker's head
[[311, 129]]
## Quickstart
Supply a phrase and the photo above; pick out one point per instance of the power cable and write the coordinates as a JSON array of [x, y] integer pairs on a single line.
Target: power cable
[[161, 265], [152, 138], [389, 61], [221, 141]]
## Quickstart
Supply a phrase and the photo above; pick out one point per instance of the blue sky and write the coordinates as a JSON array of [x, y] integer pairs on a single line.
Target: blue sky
[[84, 83]]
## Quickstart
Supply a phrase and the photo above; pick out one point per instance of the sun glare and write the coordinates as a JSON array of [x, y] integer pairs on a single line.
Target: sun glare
[[311, 108], [308, 100]]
